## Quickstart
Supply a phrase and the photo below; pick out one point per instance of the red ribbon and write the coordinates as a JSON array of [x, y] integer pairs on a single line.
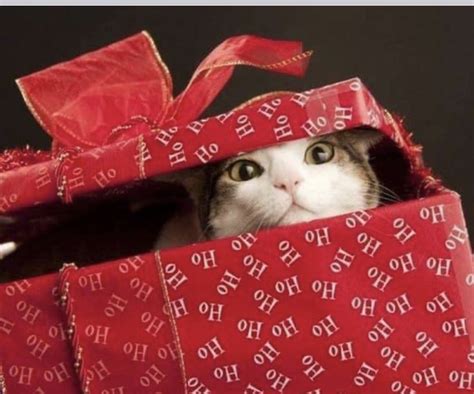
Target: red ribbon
[[124, 89]]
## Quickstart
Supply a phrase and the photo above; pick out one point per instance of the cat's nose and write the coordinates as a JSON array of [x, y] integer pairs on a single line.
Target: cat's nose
[[287, 185]]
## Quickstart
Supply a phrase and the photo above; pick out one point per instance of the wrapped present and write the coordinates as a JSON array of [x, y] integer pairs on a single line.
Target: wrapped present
[[371, 301]]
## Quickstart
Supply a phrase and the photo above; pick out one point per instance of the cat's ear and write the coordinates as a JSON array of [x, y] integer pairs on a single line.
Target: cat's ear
[[364, 139]]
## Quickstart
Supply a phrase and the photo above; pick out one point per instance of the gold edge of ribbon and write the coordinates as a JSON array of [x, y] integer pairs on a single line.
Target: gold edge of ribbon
[[31, 107], [281, 63], [174, 327], [160, 62], [270, 66], [34, 112]]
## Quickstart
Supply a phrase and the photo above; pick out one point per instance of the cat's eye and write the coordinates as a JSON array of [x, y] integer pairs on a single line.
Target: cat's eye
[[244, 170], [319, 153]]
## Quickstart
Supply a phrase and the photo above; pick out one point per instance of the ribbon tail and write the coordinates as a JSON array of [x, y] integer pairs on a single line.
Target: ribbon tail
[[212, 74]]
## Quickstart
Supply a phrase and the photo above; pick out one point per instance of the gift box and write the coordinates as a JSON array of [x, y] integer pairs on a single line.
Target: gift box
[[370, 301]]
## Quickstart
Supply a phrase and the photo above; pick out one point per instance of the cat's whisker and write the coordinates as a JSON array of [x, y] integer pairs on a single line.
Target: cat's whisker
[[383, 189], [381, 198], [383, 192], [260, 224], [392, 195], [387, 191], [250, 226], [389, 197], [380, 185]]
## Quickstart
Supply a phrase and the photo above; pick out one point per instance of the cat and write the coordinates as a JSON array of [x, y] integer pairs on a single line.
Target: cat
[[293, 182]]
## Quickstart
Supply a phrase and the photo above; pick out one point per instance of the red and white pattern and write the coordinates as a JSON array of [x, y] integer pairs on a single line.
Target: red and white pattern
[[373, 301], [357, 303], [35, 354], [121, 331]]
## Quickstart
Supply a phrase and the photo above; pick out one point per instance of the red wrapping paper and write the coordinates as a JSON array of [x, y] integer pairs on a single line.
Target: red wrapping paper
[[125, 340], [377, 301], [35, 355], [357, 303]]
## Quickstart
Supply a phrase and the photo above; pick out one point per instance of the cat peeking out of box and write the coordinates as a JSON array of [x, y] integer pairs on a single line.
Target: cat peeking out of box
[[284, 184]]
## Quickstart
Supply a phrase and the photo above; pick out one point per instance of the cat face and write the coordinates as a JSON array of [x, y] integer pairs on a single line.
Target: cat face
[[289, 183]]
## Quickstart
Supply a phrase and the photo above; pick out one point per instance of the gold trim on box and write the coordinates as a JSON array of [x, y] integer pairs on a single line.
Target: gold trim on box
[[174, 327], [3, 385]]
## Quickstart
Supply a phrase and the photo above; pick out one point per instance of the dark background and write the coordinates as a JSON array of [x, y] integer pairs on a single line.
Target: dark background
[[417, 61]]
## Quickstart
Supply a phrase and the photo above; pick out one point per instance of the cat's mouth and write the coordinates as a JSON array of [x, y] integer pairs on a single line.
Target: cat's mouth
[[294, 213]]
